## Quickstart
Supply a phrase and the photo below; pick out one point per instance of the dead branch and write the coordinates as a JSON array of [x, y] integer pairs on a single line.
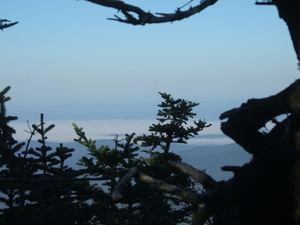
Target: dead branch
[[289, 11], [265, 3], [200, 176], [143, 17], [4, 23], [160, 185], [116, 194]]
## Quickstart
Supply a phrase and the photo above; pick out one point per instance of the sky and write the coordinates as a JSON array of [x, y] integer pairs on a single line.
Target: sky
[[66, 52]]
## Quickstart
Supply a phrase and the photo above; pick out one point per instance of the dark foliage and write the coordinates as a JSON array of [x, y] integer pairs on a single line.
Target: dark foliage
[[38, 187]]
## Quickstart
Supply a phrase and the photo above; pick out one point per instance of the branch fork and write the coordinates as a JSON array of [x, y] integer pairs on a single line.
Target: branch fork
[[143, 17]]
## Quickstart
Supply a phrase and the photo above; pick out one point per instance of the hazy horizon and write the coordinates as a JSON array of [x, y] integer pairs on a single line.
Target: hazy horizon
[[102, 121], [108, 129]]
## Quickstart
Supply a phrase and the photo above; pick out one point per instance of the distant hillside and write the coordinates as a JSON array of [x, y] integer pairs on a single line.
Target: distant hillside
[[208, 157], [212, 157]]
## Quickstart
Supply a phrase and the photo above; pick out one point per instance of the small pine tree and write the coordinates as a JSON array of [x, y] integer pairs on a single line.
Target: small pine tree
[[103, 162], [140, 204], [173, 127], [54, 202], [29, 192], [11, 164]]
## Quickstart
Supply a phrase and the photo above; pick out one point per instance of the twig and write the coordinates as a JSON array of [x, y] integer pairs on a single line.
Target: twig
[[32, 133], [186, 4], [265, 3], [157, 184]]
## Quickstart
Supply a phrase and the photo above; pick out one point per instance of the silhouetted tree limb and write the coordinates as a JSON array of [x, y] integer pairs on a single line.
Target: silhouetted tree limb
[[156, 184], [4, 23], [136, 16], [289, 11], [200, 176], [253, 115], [116, 194], [49, 180]]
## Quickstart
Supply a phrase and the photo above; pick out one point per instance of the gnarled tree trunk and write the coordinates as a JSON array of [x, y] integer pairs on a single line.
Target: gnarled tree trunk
[[264, 191]]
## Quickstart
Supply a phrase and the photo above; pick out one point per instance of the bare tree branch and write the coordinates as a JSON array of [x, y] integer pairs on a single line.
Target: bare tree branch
[[160, 185], [47, 180], [265, 3], [143, 17], [4, 23], [288, 11], [116, 194], [203, 178]]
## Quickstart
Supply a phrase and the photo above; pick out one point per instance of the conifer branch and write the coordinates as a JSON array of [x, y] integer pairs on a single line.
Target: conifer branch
[[49, 180]]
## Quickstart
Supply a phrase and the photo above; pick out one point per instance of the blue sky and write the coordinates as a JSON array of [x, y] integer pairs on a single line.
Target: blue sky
[[66, 51]]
